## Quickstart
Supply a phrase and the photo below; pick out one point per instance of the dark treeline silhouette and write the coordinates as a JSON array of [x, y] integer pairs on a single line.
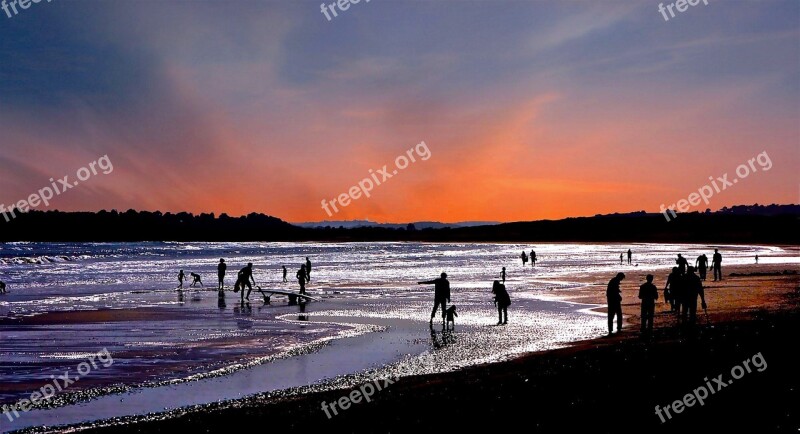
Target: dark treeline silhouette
[[741, 224]]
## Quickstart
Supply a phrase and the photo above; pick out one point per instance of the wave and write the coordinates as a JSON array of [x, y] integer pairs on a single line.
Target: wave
[[39, 260]]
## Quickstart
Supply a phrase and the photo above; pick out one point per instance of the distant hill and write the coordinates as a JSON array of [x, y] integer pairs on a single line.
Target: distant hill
[[775, 224], [351, 224]]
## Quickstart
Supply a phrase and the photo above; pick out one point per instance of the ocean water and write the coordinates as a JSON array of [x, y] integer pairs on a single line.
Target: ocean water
[[170, 349]]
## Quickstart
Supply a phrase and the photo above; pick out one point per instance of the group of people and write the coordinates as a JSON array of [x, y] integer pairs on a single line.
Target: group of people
[[244, 278], [441, 296], [681, 291], [630, 257], [524, 256]]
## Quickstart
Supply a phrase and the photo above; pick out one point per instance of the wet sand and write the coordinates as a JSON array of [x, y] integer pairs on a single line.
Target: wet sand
[[605, 385]]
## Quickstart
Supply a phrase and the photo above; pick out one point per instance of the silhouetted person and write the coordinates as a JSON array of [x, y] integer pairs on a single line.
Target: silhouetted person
[[308, 269], [503, 274], [694, 287], [648, 293], [682, 264], [533, 258], [181, 277], [716, 263], [614, 298], [302, 278], [451, 315], [284, 273], [524, 258], [502, 300], [221, 269], [630, 256], [441, 294], [672, 288], [620, 259], [195, 280], [245, 279], [3, 287], [756, 259], [702, 264]]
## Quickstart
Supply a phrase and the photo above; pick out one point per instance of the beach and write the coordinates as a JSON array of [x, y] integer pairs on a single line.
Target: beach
[[274, 353]]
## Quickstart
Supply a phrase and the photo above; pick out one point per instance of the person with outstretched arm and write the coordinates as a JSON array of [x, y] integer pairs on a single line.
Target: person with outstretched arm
[[441, 294]]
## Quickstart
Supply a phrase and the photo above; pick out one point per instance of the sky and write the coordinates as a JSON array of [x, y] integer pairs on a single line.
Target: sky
[[528, 109]]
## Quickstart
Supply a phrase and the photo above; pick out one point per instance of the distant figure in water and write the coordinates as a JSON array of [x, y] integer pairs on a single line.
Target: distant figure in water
[[630, 256], [672, 288], [441, 295], [694, 287], [245, 279], [716, 263], [3, 287], [648, 293], [702, 264], [503, 274], [195, 280], [620, 259], [302, 278], [756, 259], [284, 273], [308, 269], [221, 269], [502, 300], [524, 258], [614, 298], [181, 276], [451, 315], [533, 258], [682, 264]]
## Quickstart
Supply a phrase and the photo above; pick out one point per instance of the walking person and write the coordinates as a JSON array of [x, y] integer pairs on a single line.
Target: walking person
[[614, 298], [502, 300], [682, 264], [648, 293], [221, 269], [716, 263], [302, 278], [533, 258], [694, 287], [524, 258], [620, 259], [181, 277], [441, 294], [285, 271], [701, 264], [672, 288], [630, 256]]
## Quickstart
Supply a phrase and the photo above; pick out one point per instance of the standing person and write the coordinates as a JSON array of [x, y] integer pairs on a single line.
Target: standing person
[[524, 258], [245, 279], [302, 278], [3, 287], [682, 264], [672, 288], [533, 258], [502, 300], [614, 298], [308, 269], [648, 293], [284, 273], [716, 263], [195, 280], [503, 274], [441, 294], [181, 276], [620, 259], [630, 256], [694, 287], [756, 259], [221, 269], [702, 264]]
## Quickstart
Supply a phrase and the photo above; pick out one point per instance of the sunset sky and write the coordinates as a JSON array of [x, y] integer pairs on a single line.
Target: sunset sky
[[530, 109]]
